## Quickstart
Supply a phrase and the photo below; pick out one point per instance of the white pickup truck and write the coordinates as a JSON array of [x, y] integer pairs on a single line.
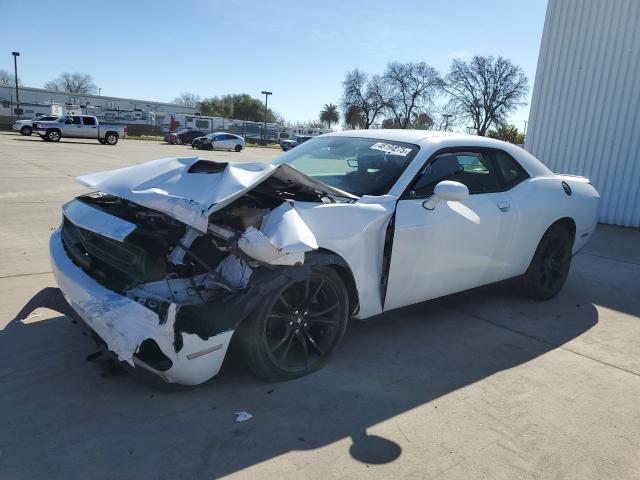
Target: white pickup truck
[[79, 126]]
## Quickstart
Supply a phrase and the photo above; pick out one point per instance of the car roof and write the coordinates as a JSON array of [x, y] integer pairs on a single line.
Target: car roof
[[435, 140]]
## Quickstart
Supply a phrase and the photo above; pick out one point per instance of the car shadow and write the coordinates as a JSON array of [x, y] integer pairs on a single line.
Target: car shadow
[[86, 420], [34, 138]]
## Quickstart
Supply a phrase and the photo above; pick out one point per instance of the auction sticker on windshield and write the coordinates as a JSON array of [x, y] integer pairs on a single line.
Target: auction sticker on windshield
[[391, 149]]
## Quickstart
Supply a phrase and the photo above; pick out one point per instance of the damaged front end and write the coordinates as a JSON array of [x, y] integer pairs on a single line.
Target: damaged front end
[[163, 263]]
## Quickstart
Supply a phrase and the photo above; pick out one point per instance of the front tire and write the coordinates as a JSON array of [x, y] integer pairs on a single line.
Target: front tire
[[238, 148], [297, 329], [53, 135], [44, 137], [550, 265], [26, 131]]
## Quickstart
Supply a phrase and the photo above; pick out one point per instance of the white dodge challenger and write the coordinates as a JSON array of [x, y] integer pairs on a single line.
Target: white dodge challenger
[[169, 260]]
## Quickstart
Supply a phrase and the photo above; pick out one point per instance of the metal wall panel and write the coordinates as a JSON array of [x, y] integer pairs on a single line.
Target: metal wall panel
[[585, 110]]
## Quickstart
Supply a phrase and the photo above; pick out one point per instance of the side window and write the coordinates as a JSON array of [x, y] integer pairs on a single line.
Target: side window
[[89, 120], [511, 171], [76, 120], [218, 138], [473, 169], [202, 124]]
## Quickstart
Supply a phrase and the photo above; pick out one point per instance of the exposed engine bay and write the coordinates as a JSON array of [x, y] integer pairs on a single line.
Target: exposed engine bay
[[201, 282]]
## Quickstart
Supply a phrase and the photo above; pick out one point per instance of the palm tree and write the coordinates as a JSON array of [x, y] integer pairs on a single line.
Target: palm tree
[[329, 114]]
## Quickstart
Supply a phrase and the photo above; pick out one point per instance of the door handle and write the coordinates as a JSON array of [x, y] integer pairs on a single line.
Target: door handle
[[504, 206]]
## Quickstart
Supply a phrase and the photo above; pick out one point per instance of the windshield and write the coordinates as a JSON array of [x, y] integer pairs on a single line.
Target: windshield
[[361, 166]]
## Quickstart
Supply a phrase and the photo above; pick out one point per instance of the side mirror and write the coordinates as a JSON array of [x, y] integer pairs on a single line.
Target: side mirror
[[68, 121], [447, 190]]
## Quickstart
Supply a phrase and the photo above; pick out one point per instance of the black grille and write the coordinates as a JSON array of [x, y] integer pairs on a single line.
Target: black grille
[[113, 263]]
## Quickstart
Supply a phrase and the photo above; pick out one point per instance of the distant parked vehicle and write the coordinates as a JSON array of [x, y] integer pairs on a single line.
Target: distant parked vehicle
[[79, 126], [289, 144], [183, 137], [219, 141], [25, 127]]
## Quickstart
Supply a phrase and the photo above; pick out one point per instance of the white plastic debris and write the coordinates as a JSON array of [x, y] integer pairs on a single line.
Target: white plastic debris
[[282, 239], [236, 272], [242, 416]]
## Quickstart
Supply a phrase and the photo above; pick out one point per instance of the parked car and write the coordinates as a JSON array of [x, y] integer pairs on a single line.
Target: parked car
[[287, 145], [174, 257], [219, 141], [183, 137], [25, 127], [79, 126]]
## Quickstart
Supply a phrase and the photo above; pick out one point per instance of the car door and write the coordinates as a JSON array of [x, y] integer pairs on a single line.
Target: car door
[[89, 127], [217, 142], [456, 245], [72, 126]]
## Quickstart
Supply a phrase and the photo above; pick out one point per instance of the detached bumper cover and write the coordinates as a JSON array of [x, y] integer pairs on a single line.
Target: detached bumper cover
[[124, 324]]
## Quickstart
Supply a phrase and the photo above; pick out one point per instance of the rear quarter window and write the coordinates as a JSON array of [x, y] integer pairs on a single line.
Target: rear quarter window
[[511, 171]]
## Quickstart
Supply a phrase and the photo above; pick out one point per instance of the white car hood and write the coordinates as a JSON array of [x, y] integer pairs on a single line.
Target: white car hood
[[168, 186]]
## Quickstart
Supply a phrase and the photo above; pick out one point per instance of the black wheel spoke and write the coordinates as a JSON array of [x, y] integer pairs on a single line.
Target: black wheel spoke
[[321, 313], [314, 294], [284, 302], [303, 342], [285, 337], [287, 348], [313, 343], [323, 321]]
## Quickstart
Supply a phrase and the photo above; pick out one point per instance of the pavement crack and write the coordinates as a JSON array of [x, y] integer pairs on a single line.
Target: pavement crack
[[18, 275], [546, 342]]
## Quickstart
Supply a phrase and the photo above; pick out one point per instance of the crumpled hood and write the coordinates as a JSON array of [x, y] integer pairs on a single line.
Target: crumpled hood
[[191, 189]]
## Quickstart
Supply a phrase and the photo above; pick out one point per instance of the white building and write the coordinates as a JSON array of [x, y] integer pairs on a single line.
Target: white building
[[585, 111], [123, 110]]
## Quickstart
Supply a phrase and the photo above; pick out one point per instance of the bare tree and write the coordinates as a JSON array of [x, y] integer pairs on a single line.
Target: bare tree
[[78, 83], [485, 90], [7, 78], [363, 95], [408, 87], [187, 99]]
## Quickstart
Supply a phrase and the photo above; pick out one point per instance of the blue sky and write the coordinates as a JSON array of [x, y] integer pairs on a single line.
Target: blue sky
[[154, 50]]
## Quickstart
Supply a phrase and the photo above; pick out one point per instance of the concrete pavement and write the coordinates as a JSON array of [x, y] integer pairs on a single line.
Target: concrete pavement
[[482, 384]]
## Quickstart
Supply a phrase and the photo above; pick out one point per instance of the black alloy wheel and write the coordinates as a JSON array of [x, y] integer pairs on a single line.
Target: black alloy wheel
[[550, 265], [297, 330]]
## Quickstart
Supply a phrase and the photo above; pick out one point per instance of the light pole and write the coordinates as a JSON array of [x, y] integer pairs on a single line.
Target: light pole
[[99, 90], [15, 71], [266, 101], [446, 117]]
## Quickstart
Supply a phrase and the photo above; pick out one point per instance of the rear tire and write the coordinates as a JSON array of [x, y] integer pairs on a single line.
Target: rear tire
[[53, 135], [296, 330], [44, 137], [26, 131], [111, 138], [549, 266]]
